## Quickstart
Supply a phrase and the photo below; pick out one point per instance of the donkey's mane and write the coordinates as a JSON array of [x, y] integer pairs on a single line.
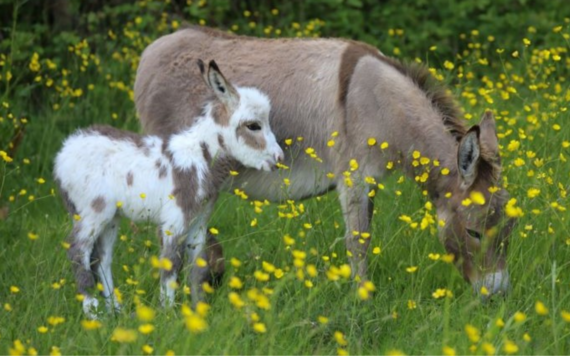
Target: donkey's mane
[[437, 93]]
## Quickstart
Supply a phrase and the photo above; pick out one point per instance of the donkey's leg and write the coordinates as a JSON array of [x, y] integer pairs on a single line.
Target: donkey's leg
[[104, 250], [82, 239], [195, 249], [357, 209]]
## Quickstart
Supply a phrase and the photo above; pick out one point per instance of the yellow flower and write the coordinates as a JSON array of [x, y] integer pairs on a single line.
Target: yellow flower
[[510, 347], [55, 320], [323, 319], [519, 317], [278, 273], [90, 324], [196, 324], [5, 157], [43, 329], [565, 316], [434, 256], [14, 290], [235, 300], [363, 293], [235, 262], [206, 287], [473, 333], [340, 339], [259, 328], [533, 192], [353, 165], [371, 141], [384, 145], [540, 308], [200, 262], [488, 348], [146, 328], [33, 236], [442, 292], [235, 283], [124, 335], [147, 349], [214, 231], [55, 351], [163, 263], [526, 42], [411, 269], [477, 197], [511, 210], [514, 145], [448, 351], [376, 250]]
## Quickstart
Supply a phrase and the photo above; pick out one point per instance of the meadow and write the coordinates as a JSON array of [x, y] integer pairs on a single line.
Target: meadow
[[287, 287]]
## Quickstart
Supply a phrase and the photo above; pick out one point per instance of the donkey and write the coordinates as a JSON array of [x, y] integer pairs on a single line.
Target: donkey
[[172, 180], [375, 112]]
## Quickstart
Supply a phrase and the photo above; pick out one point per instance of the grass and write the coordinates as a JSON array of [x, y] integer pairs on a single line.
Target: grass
[[292, 313]]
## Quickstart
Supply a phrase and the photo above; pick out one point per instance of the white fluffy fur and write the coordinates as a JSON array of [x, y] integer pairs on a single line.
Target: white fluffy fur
[[93, 166]]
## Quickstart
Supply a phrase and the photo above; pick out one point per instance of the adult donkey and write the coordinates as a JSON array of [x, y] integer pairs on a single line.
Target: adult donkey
[[350, 90]]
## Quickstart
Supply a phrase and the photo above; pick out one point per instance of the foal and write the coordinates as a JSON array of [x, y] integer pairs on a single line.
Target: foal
[[104, 173]]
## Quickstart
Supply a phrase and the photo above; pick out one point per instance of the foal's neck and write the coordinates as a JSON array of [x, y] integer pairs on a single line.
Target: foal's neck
[[201, 142]]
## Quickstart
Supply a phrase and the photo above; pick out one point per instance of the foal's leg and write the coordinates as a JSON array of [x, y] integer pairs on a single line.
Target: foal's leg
[[195, 248], [82, 238], [173, 250], [104, 251], [357, 209]]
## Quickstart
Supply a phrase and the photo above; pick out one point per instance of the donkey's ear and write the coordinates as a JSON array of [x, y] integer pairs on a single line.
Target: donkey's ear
[[468, 155], [488, 137], [223, 89]]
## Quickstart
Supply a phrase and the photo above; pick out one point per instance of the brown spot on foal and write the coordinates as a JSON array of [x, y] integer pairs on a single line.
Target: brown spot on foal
[[98, 204], [251, 140], [130, 178]]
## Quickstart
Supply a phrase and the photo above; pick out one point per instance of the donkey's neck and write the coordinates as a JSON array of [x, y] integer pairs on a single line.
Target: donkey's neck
[[202, 142], [435, 142]]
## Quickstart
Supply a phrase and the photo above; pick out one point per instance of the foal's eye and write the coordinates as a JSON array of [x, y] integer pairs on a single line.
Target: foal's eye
[[254, 126], [474, 234]]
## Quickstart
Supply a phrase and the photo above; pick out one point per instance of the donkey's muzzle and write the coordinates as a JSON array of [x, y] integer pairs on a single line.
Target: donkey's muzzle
[[493, 283]]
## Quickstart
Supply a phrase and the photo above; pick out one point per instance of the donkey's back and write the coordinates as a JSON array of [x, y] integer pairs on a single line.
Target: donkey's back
[[307, 80], [166, 95]]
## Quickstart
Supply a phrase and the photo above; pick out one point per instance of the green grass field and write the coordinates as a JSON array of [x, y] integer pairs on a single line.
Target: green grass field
[[286, 289]]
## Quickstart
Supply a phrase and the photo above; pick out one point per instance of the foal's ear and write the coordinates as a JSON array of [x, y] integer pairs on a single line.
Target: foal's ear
[[488, 136], [468, 155], [223, 89]]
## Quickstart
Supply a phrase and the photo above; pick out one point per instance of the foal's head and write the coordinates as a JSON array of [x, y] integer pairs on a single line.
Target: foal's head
[[476, 229], [243, 116]]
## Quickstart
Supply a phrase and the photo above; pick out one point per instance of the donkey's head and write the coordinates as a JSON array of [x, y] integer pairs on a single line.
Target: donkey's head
[[476, 229], [243, 114]]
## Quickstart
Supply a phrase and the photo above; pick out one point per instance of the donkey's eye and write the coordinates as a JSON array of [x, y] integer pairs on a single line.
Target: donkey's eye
[[475, 234], [254, 126]]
